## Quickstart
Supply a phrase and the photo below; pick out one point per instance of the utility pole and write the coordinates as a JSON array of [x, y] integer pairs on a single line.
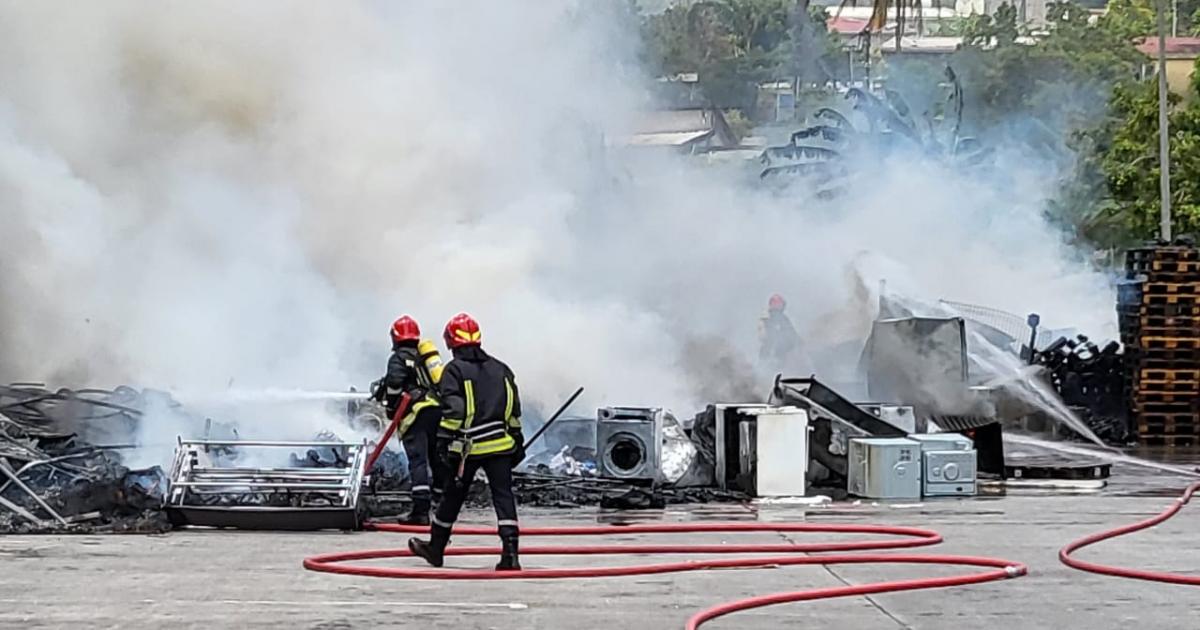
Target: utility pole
[[1164, 140]]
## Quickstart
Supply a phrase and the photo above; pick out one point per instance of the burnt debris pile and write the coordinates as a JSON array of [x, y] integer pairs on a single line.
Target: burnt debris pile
[[543, 490], [1091, 380], [60, 461]]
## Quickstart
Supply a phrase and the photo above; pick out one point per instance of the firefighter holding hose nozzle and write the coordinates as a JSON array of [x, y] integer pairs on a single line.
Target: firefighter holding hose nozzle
[[414, 368], [481, 408]]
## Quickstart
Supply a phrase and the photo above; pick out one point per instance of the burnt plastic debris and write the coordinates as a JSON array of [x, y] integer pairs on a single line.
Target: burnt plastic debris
[[549, 491], [635, 499], [1092, 380]]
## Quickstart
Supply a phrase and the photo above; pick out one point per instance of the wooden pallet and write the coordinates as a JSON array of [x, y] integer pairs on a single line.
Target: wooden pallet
[[1142, 398], [1169, 376], [1153, 363], [1168, 440], [1151, 322], [1162, 310], [1164, 332], [1147, 389], [1147, 278], [1159, 431], [1170, 288], [1175, 358], [1154, 267], [1178, 410], [1183, 300], [1150, 342], [1169, 423], [1167, 387], [1162, 254]]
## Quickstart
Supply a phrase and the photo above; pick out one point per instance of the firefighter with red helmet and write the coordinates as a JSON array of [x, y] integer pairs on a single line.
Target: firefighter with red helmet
[[407, 373], [481, 409], [779, 348]]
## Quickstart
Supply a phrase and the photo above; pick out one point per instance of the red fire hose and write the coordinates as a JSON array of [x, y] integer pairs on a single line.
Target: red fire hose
[[401, 409], [998, 569], [1136, 574]]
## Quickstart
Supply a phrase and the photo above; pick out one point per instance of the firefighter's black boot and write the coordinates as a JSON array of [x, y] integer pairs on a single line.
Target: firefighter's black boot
[[509, 560], [419, 515], [433, 550]]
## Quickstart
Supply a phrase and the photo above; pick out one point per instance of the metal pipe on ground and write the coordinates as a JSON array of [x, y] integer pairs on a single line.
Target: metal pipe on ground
[[20, 511], [20, 484]]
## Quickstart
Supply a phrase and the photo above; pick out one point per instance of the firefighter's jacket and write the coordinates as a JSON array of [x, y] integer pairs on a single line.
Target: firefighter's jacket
[[481, 406], [406, 373]]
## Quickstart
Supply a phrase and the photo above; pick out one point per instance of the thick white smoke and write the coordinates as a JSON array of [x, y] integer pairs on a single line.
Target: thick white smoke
[[231, 194]]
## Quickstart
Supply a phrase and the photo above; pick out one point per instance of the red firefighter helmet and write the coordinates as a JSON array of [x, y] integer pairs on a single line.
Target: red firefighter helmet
[[776, 303], [462, 330], [405, 329]]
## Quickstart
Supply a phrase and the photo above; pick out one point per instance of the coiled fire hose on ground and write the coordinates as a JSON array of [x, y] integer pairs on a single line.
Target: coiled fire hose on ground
[[1136, 574], [786, 555]]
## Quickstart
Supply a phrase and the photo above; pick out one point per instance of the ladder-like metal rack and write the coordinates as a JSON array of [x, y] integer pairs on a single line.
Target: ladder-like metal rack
[[208, 488]]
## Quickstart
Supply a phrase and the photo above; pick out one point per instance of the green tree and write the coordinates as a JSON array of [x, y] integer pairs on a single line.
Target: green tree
[[1131, 162], [734, 44], [984, 31]]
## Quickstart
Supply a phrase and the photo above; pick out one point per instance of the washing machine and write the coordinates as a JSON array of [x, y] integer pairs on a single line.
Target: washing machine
[[629, 442]]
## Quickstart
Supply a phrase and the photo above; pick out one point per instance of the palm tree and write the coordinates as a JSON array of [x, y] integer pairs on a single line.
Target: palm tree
[[820, 151]]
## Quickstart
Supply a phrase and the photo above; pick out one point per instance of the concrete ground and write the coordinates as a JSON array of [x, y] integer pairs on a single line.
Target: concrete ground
[[212, 579]]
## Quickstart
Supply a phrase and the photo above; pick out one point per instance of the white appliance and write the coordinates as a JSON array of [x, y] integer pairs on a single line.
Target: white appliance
[[774, 450], [948, 462], [884, 468], [629, 442]]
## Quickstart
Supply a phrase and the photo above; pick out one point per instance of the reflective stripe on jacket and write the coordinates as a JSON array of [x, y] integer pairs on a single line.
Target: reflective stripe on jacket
[[480, 404]]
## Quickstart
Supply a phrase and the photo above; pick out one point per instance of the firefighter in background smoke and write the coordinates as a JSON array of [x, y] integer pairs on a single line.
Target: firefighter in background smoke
[[413, 371], [482, 409], [780, 350]]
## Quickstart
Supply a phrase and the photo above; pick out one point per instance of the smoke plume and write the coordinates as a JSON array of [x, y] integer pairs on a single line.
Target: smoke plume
[[244, 195]]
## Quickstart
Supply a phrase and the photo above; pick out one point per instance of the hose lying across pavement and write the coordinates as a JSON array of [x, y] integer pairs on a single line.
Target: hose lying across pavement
[[1136, 574], [998, 569]]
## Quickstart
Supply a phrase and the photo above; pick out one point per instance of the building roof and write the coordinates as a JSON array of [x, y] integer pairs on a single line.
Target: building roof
[[932, 45], [674, 120], [844, 25], [1177, 47], [667, 139], [679, 127], [939, 45]]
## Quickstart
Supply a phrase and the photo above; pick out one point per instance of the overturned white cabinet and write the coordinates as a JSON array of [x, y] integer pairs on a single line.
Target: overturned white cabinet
[[774, 450]]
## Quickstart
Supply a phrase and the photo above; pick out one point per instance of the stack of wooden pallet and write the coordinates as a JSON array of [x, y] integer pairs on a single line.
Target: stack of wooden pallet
[[1160, 327]]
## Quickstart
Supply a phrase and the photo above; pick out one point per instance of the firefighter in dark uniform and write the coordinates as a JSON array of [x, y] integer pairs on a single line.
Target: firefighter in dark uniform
[[780, 349], [407, 373], [481, 409]]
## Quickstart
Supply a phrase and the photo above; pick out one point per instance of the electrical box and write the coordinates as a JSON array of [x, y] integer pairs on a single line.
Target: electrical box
[[948, 473], [884, 468], [948, 462]]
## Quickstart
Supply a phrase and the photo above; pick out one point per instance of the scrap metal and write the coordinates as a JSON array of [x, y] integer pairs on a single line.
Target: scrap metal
[[48, 464]]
